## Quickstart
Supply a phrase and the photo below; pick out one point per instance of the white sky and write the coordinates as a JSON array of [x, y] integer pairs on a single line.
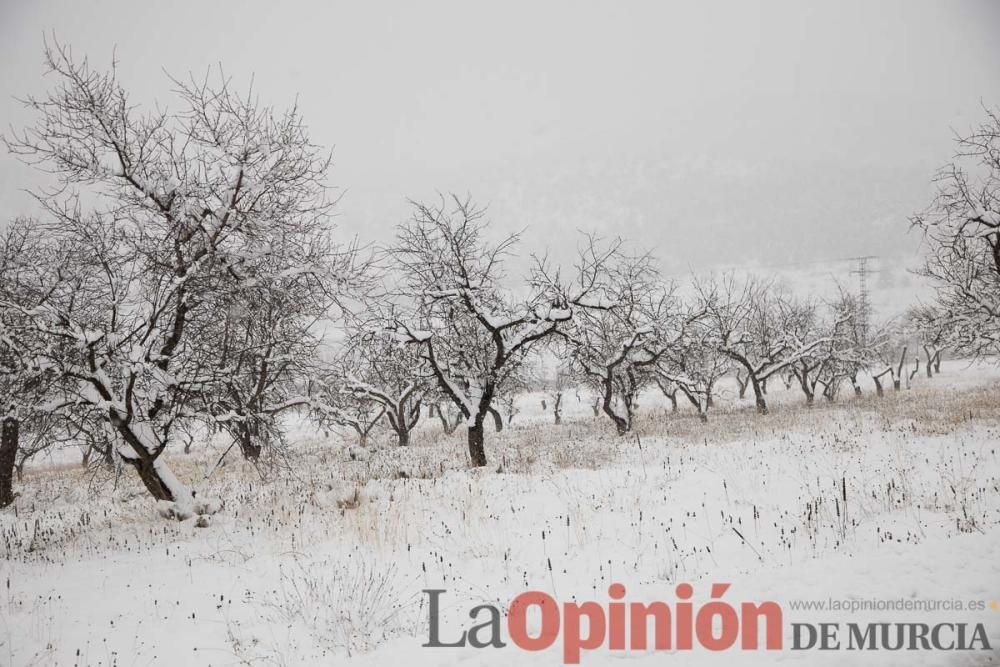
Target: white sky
[[718, 132]]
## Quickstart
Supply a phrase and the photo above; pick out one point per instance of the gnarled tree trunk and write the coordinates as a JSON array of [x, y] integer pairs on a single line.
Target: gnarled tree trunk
[[742, 383], [807, 389], [151, 478], [155, 474], [622, 424], [758, 392]]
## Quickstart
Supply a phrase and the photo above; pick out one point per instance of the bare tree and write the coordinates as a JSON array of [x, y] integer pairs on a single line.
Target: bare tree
[[617, 344], [962, 231], [185, 208], [760, 328], [389, 372], [933, 329], [265, 343], [692, 365], [25, 380], [842, 355], [854, 345], [555, 387], [471, 331], [337, 405], [449, 415]]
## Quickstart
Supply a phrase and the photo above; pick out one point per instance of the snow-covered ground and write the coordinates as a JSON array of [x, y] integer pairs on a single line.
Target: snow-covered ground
[[324, 561]]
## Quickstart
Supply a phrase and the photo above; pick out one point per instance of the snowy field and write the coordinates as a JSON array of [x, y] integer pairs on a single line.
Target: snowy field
[[325, 562]]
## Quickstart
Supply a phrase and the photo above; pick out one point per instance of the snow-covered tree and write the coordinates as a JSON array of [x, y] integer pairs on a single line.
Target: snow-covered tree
[[848, 350], [25, 379], [617, 344], [380, 368], [962, 232], [267, 341], [472, 331], [892, 358], [164, 220], [333, 404], [692, 365], [761, 328], [933, 330]]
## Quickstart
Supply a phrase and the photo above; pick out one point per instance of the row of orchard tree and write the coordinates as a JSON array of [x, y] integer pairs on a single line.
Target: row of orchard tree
[[183, 276]]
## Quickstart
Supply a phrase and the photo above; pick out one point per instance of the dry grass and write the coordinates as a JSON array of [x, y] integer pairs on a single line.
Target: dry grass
[[65, 506]]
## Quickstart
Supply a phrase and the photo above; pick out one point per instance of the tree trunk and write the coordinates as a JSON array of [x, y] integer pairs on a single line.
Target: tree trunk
[[897, 376], [702, 414], [448, 426], [803, 378], [109, 453], [557, 409], [758, 393], [9, 435], [937, 362], [709, 400], [879, 391], [248, 445], [913, 373], [622, 425], [399, 423], [151, 479], [930, 361], [497, 420], [743, 383], [477, 452]]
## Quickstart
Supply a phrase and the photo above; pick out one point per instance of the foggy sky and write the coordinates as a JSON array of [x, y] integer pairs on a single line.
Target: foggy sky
[[726, 132]]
